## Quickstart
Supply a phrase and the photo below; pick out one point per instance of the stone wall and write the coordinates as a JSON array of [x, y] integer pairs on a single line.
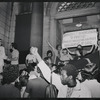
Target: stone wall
[[7, 23]]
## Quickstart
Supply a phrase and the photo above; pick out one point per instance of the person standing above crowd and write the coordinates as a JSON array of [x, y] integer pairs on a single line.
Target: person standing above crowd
[[14, 56], [2, 56], [61, 55], [30, 58], [80, 52]]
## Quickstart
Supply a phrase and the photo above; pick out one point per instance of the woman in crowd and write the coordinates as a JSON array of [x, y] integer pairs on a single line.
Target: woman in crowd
[[50, 55], [57, 52]]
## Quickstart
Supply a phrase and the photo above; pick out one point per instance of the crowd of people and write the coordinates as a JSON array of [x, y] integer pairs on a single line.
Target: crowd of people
[[58, 75]]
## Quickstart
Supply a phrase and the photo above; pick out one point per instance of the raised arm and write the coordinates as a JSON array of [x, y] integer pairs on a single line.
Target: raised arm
[[91, 50], [46, 70], [97, 48], [51, 46], [41, 64], [73, 53]]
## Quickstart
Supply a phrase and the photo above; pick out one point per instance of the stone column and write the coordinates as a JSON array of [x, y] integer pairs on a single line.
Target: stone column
[[53, 35], [36, 37]]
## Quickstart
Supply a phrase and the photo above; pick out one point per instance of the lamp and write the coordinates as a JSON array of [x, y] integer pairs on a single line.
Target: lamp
[[78, 25]]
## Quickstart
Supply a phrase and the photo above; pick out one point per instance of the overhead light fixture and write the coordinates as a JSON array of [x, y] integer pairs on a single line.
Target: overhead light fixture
[[78, 25]]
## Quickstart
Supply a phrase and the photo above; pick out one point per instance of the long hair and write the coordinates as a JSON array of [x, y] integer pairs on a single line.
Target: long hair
[[49, 51]]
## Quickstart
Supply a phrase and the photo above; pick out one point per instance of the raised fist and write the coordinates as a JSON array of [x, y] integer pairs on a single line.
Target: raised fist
[[34, 50]]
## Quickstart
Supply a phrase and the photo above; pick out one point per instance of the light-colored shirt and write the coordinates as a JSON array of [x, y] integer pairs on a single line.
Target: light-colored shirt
[[22, 91], [2, 57], [32, 75], [47, 73], [15, 54], [66, 57], [79, 91], [31, 58], [94, 87], [83, 93]]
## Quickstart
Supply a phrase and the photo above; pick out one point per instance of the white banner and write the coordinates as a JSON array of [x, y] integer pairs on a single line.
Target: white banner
[[83, 37]]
